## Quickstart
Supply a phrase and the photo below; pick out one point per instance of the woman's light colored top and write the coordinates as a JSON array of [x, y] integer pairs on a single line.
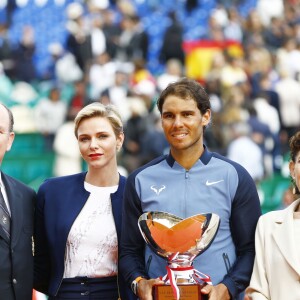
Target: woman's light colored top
[[92, 245]]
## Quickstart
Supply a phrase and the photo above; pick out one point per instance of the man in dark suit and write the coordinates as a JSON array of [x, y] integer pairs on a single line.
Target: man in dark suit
[[16, 224]]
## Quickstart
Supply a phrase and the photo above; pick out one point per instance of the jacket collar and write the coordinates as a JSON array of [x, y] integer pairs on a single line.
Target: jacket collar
[[205, 157]]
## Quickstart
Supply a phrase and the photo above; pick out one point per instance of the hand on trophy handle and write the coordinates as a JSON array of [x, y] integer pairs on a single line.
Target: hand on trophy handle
[[216, 292], [144, 290]]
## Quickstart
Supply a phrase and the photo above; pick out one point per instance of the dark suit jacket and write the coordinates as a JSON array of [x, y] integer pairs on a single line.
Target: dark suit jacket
[[16, 257], [59, 202]]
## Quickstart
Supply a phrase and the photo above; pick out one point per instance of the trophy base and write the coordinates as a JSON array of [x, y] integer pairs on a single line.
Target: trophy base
[[187, 292]]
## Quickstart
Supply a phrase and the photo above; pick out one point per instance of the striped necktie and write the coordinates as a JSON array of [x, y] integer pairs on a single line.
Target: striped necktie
[[4, 216]]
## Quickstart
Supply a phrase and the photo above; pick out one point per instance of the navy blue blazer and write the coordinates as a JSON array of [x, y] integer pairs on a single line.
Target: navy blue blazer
[[59, 202]]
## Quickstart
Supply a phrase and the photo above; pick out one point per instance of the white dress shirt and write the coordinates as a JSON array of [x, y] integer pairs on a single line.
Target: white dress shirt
[[4, 194]]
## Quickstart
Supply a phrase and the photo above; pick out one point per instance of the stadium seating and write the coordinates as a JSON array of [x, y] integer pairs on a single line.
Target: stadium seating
[[49, 20]]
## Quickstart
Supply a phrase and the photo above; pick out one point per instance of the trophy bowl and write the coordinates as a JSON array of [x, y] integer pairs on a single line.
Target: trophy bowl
[[179, 241]]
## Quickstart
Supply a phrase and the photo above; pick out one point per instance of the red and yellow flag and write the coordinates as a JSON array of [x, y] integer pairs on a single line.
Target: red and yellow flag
[[199, 55]]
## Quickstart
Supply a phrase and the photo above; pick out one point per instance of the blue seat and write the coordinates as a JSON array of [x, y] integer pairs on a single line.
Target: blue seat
[[155, 22]]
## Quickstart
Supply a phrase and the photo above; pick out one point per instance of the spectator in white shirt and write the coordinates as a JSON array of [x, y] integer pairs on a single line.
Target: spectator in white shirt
[[50, 114]]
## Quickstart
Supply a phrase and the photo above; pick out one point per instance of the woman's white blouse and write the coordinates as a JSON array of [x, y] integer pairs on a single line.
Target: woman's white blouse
[[92, 244]]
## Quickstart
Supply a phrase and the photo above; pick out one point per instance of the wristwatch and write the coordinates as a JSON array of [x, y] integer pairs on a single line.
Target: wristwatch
[[134, 284]]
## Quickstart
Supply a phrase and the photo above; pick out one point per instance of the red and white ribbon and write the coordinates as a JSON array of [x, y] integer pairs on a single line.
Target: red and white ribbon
[[172, 275]]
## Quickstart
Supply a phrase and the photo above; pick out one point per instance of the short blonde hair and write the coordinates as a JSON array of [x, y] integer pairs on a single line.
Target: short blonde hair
[[97, 109]]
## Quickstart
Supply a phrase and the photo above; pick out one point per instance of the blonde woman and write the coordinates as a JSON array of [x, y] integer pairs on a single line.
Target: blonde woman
[[78, 217]]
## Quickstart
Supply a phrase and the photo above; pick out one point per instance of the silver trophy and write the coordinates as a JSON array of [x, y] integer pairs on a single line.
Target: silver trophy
[[179, 241]]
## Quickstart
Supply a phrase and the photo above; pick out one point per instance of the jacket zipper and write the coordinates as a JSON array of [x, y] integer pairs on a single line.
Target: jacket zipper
[[148, 263], [186, 176], [227, 262]]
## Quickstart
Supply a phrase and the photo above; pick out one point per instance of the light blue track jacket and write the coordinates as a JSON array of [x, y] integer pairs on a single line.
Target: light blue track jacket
[[213, 185]]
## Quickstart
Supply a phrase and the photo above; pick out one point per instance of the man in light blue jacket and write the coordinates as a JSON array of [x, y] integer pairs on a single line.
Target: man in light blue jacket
[[188, 181]]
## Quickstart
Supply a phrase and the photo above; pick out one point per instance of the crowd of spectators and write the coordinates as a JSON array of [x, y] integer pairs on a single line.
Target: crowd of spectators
[[255, 95]]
